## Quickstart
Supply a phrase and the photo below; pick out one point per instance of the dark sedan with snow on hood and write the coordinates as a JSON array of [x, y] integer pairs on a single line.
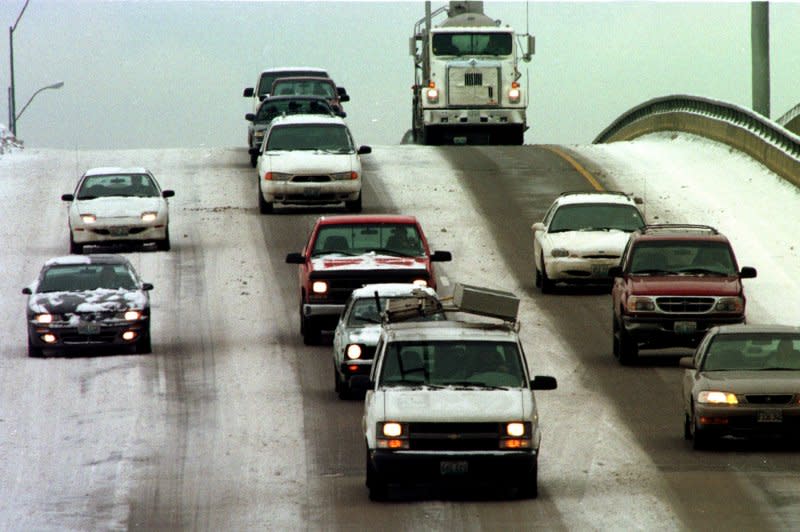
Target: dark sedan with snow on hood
[[92, 301]]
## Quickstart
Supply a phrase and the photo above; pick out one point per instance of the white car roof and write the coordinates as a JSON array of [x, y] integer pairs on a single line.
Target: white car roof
[[289, 120], [106, 170], [391, 290], [282, 69], [450, 330], [595, 197]]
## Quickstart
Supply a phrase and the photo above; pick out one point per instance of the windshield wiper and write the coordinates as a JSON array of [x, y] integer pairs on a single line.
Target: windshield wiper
[[392, 252], [337, 252], [473, 384], [702, 271]]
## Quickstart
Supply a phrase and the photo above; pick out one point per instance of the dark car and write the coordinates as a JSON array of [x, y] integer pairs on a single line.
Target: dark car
[[743, 381], [88, 301], [311, 86], [274, 106]]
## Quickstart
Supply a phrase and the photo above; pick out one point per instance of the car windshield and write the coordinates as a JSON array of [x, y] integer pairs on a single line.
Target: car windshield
[[121, 185], [682, 257], [277, 107], [493, 44], [325, 137], [596, 217], [402, 240], [753, 351], [461, 363], [365, 310], [82, 277], [304, 87]]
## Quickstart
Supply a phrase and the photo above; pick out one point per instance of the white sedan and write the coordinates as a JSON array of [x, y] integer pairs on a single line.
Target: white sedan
[[118, 206], [582, 235]]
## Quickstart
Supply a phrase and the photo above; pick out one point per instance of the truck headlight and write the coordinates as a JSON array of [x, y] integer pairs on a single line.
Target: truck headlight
[[392, 435], [515, 429], [514, 95], [319, 287], [353, 351], [517, 435], [420, 282], [641, 304], [432, 95], [730, 304]]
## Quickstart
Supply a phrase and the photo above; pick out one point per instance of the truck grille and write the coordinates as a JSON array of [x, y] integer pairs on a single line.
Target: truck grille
[[685, 305], [454, 436], [473, 86], [341, 284], [473, 78]]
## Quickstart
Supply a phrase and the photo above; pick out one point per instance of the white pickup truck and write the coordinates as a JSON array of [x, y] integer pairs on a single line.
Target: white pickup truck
[[453, 400]]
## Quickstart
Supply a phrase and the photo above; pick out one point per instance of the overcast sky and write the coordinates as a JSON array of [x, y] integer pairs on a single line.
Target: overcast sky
[[153, 74]]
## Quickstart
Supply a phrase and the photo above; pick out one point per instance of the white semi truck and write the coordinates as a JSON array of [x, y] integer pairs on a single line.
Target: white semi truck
[[467, 78]]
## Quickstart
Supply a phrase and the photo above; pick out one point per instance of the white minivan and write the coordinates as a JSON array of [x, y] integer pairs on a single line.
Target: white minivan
[[309, 160]]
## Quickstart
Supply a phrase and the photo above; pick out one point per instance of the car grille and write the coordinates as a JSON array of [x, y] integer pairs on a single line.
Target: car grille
[[454, 436], [341, 284], [685, 305], [119, 231], [769, 399], [311, 179]]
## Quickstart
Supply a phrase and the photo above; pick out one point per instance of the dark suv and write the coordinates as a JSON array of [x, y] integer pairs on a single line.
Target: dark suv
[[674, 283]]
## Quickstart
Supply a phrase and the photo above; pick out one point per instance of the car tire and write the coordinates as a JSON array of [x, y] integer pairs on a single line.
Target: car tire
[[546, 285], [253, 160], [33, 351], [343, 390], [529, 486], [164, 245], [264, 207], [355, 205], [628, 348], [687, 427], [75, 248], [310, 330], [376, 484], [700, 440], [538, 278], [143, 344]]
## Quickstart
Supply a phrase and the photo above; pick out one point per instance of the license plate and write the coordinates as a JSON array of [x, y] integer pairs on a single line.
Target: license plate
[[119, 231], [88, 328], [459, 140], [599, 270], [453, 468], [311, 192], [685, 327], [770, 416]]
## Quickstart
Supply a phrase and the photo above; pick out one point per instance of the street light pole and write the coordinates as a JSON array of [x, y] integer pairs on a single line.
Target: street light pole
[[12, 104], [56, 85]]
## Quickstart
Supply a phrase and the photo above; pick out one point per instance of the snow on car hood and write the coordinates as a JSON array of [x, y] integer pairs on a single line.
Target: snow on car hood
[[100, 300], [455, 404], [591, 242], [117, 206], [367, 335], [367, 261], [305, 162], [685, 285]]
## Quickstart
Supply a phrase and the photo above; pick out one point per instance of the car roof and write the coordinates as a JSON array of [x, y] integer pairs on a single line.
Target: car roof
[[97, 258], [296, 68], [450, 330], [284, 97], [692, 232], [109, 170], [746, 328], [303, 119], [571, 198], [391, 290], [326, 79], [347, 219]]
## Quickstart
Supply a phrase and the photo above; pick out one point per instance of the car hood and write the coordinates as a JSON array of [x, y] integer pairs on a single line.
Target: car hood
[[591, 242], [368, 261], [750, 381], [100, 300], [670, 285], [366, 335], [118, 207], [306, 162], [455, 404]]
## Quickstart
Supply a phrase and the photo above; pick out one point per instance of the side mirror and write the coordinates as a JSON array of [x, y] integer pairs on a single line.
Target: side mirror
[[27, 291], [686, 362], [538, 226], [361, 383], [615, 271], [147, 286], [441, 256], [363, 150], [67, 197], [250, 117], [344, 98], [341, 114], [748, 272], [531, 48], [248, 92], [295, 258], [543, 382], [341, 91], [167, 193]]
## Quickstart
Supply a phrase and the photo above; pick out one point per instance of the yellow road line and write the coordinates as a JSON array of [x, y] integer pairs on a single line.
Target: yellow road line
[[577, 166]]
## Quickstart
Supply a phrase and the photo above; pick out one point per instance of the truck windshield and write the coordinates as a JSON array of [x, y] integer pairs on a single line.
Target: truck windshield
[[459, 363], [682, 257], [458, 44], [401, 240]]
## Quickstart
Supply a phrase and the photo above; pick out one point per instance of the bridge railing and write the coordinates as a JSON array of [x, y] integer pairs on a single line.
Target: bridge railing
[[764, 140]]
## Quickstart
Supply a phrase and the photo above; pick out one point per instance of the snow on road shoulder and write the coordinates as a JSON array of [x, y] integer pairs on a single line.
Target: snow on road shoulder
[[689, 179]]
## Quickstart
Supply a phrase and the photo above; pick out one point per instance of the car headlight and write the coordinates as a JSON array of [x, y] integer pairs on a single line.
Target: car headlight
[[344, 176], [559, 252], [88, 218], [730, 304], [353, 351], [392, 435], [517, 435], [319, 287], [717, 398], [149, 216], [132, 315], [277, 176], [641, 303], [45, 318], [420, 282]]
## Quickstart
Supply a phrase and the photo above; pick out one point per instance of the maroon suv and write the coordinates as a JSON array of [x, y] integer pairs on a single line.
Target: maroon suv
[[674, 283]]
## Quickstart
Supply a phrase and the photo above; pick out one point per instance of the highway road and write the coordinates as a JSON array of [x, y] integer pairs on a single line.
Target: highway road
[[232, 423]]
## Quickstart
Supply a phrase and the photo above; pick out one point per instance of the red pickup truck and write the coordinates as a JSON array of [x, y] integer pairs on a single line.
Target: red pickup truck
[[348, 251], [674, 283]]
